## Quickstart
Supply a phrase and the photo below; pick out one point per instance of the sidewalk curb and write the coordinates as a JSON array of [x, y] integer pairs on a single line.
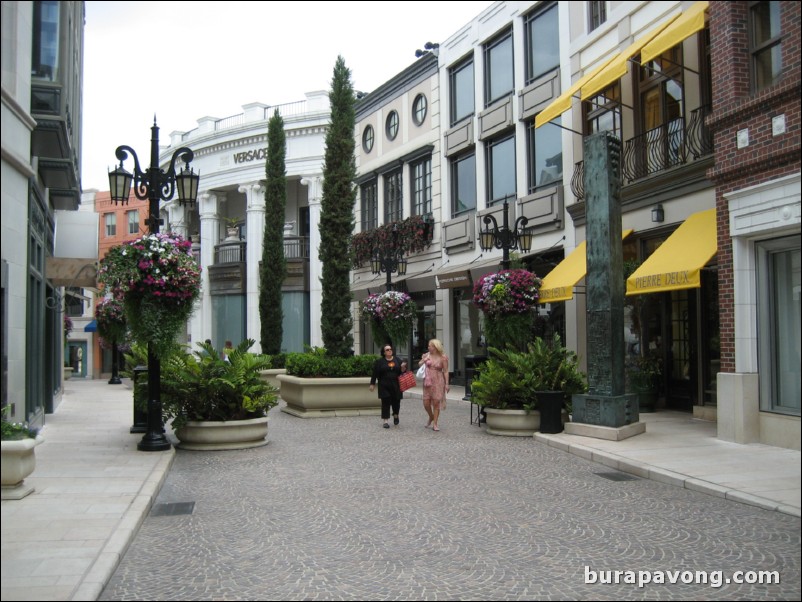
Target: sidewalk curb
[[661, 475], [102, 569]]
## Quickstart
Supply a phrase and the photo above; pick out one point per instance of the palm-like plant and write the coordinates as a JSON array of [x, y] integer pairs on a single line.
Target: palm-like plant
[[203, 387]]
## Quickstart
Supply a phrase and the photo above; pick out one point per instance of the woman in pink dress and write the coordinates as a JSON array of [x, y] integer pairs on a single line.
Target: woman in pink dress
[[435, 385]]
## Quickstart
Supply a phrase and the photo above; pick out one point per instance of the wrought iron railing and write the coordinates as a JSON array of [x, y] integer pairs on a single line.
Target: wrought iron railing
[[659, 149], [296, 247], [229, 252], [700, 138]]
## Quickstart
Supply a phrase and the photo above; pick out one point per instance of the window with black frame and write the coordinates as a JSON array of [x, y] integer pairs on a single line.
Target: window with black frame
[[369, 206], [544, 161], [597, 14], [499, 80], [500, 157], [393, 197], [461, 89], [765, 43], [463, 184], [542, 42], [421, 179]]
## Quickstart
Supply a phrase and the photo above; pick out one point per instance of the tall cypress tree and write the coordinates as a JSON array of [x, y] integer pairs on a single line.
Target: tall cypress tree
[[337, 216], [274, 266]]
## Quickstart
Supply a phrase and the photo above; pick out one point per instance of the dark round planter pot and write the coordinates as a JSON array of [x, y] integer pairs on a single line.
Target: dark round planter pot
[[550, 404]]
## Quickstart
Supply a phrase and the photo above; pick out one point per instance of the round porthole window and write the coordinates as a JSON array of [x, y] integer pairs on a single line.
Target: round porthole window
[[419, 108], [367, 139], [392, 125]]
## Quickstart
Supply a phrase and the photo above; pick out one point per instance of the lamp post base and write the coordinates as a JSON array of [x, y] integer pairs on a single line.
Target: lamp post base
[[153, 442], [115, 380]]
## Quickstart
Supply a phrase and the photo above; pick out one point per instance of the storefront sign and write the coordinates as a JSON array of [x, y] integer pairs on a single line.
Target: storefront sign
[[251, 155], [453, 280]]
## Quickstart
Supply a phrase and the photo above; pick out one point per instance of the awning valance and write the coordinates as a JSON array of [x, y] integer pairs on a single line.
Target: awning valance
[[677, 263], [618, 67], [688, 23], [563, 102], [91, 327], [558, 285]]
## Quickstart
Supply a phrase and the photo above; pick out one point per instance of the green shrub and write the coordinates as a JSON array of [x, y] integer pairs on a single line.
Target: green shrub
[[317, 365]]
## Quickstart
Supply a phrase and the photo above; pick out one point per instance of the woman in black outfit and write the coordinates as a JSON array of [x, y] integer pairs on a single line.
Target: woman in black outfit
[[386, 371]]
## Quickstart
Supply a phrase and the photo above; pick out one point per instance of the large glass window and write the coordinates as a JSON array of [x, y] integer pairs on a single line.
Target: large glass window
[[44, 53], [370, 206], [500, 169], [779, 264], [422, 186], [542, 43], [462, 96], [463, 184], [544, 160], [111, 224], [393, 197], [498, 68], [765, 43], [661, 143]]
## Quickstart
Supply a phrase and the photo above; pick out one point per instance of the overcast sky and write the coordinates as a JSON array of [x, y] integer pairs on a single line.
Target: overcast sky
[[185, 60]]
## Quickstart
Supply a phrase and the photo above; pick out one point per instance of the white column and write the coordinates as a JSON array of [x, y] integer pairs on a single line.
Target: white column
[[177, 218], [314, 186], [208, 204], [255, 225]]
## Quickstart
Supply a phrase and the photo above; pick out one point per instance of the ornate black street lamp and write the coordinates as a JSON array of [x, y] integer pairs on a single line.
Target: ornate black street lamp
[[389, 260], [503, 238], [154, 185]]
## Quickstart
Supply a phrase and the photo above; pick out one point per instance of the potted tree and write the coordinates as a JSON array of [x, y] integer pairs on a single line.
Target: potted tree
[[17, 452], [214, 403], [644, 375], [520, 389]]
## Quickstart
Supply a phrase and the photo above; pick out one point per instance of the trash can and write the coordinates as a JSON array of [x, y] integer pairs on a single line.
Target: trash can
[[471, 366], [550, 404], [140, 415]]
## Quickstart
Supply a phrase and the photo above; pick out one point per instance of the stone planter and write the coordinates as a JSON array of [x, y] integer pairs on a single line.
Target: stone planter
[[328, 397], [67, 372], [271, 376], [231, 434], [512, 423], [18, 462]]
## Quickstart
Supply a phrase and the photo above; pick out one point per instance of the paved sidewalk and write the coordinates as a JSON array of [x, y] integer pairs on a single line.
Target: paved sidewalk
[[93, 488]]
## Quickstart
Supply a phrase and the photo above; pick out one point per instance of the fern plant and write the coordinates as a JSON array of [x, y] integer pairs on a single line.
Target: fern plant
[[511, 378], [203, 387]]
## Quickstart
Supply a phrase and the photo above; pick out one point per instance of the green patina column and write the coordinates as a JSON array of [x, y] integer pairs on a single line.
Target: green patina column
[[606, 404]]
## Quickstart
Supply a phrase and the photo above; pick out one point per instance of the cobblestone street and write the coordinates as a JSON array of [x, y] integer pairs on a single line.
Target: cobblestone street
[[343, 509]]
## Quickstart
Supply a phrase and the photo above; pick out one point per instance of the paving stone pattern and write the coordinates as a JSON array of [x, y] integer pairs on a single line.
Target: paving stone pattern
[[342, 509]]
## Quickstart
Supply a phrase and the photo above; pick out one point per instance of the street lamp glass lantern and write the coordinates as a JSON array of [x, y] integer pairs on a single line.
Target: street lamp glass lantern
[[487, 239], [525, 240], [401, 265], [186, 182], [376, 264], [120, 185]]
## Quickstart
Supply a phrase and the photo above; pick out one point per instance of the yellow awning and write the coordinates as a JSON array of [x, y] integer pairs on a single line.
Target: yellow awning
[[688, 23], [618, 68], [559, 284], [677, 263], [563, 102]]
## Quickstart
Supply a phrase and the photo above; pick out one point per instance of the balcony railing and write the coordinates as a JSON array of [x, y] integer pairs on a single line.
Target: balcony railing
[[229, 252], [657, 150], [296, 247]]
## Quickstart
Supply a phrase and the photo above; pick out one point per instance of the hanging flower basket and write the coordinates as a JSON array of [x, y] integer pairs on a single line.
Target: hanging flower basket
[[508, 299], [111, 324], [159, 282], [390, 315]]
